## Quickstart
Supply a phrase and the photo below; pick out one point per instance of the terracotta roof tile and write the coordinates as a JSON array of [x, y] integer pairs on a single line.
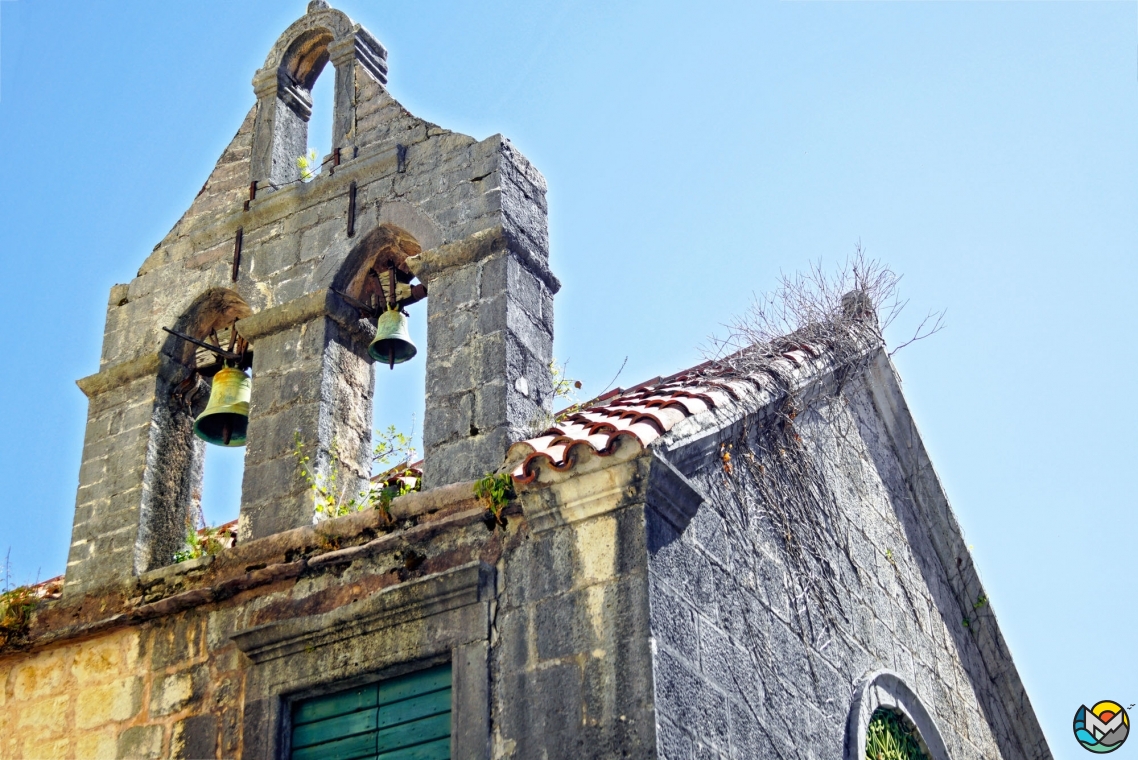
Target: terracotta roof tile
[[644, 412], [650, 409]]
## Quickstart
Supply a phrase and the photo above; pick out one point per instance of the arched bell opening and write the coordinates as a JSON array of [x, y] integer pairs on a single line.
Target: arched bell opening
[[305, 125], [201, 350], [377, 279], [287, 91]]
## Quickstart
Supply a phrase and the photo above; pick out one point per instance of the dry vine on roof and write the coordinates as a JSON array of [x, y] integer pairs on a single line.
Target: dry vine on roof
[[774, 486], [838, 314]]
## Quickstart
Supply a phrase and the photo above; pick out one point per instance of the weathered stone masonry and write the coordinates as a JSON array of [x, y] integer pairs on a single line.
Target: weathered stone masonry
[[475, 210], [621, 610], [741, 641]]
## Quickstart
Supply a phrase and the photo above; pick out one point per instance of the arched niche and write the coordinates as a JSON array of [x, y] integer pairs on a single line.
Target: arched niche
[[364, 275], [171, 498], [284, 88], [883, 689]]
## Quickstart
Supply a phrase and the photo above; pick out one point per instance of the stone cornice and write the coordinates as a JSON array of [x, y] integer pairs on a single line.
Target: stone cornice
[[481, 245], [273, 559], [274, 204], [322, 303], [406, 602], [118, 375]]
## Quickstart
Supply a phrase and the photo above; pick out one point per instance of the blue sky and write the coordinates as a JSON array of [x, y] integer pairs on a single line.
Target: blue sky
[[987, 151]]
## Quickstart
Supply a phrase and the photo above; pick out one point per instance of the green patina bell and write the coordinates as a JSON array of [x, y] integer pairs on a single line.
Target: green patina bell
[[226, 417], [392, 344]]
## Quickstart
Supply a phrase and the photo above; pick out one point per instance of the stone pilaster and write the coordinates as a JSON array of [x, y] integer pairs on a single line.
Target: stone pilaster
[[489, 346], [133, 498], [359, 55], [280, 131], [310, 378]]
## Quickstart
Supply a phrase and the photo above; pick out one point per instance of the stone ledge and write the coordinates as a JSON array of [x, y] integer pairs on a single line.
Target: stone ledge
[[119, 374], [481, 245], [280, 557], [322, 303], [405, 602], [272, 204]]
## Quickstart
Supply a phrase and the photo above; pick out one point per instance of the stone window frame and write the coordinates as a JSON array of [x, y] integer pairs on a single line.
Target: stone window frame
[[885, 689], [444, 617]]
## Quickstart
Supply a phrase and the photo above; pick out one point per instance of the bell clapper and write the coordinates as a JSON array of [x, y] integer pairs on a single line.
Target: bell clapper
[[391, 280]]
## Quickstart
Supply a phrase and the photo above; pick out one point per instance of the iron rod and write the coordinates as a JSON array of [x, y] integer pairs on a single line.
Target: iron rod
[[219, 351]]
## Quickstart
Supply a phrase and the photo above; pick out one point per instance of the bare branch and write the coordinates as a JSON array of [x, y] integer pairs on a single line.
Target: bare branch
[[615, 377], [842, 312], [923, 331]]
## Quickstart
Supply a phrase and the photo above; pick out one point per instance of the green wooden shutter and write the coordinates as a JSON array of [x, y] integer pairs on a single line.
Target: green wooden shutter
[[405, 718]]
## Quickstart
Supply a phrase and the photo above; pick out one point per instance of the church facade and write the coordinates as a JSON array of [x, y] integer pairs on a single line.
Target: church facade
[[745, 560]]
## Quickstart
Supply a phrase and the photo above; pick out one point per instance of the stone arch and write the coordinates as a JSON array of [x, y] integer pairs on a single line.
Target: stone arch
[[214, 310], [283, 88], [386, 245], [884, 689], [401, 231], [320, 17], [171, 494], [306, 57]]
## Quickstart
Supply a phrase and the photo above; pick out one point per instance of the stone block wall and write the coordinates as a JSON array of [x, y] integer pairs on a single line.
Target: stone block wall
[[313, 386], [751, 663], [572, 665], [619, 612], [489, 348], [282, 255], [544, 620], [130, 694], [108, 518]]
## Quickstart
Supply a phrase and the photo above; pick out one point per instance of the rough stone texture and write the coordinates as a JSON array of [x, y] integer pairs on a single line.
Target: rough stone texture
[[413, 181], [485, 332], [618, 613], [572, 664], [108, 503], [546, 630], [313, 384], [621, 610], [749, 663]]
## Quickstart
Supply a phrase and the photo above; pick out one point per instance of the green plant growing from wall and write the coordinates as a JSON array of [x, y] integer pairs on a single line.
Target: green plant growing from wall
[[889, 737], [16, 608], [331, 498], [495, 492], [309, 165], [392, 446], [564, 389], [205, 541]]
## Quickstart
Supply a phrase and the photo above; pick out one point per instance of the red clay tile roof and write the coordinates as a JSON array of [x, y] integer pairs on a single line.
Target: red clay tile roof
[[408, 474], [642, 413]]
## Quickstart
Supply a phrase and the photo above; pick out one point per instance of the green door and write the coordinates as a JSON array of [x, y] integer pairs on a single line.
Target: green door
[[405, 718]]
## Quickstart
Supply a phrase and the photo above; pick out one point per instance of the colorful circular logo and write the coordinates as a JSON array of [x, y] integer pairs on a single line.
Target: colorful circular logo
[[1102, 728]]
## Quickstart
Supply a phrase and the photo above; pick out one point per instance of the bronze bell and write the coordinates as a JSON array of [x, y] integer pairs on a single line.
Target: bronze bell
[[226, 417], [392, 344]]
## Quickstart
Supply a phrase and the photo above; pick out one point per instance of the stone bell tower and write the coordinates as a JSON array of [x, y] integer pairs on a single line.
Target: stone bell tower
[[289, 264]]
